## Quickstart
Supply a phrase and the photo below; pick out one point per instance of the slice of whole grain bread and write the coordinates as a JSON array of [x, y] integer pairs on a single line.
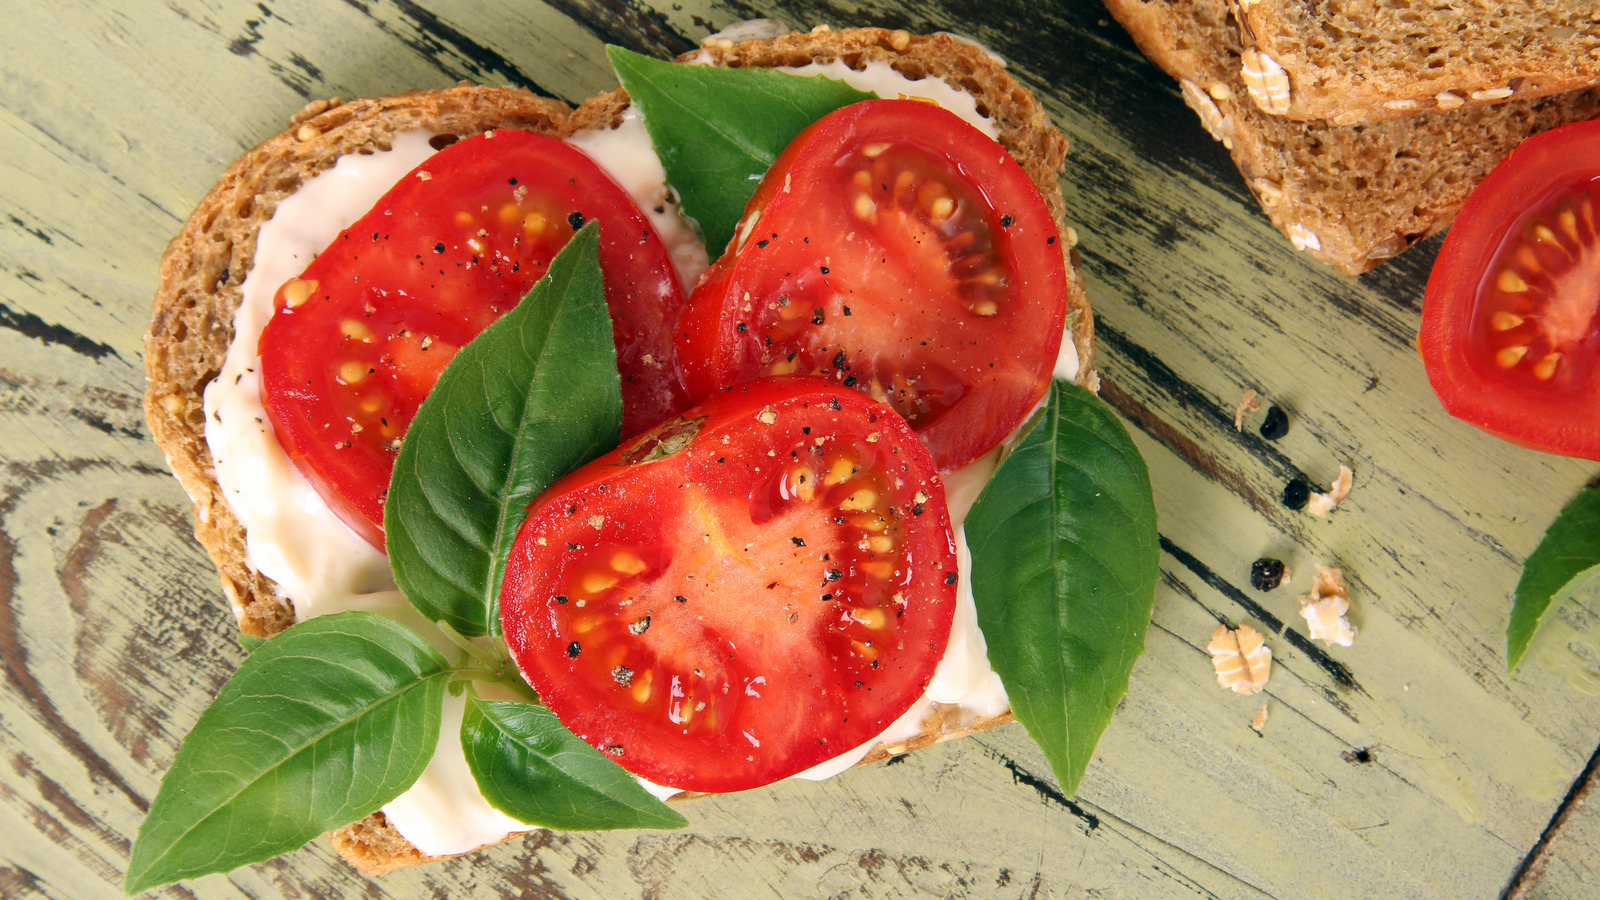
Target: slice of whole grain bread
[[204, 266], [1351, 196], [1349, 61]]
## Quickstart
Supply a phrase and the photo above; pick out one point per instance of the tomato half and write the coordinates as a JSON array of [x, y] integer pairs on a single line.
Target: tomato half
[[1509, 333], [897, 250], [357, 341], [753, 588]]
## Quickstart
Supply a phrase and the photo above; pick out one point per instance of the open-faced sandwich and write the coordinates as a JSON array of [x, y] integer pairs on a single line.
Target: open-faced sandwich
[[509, 620]]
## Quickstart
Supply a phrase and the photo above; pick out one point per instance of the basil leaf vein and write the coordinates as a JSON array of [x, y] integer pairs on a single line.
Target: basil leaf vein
[[718, 129], [1567, 558], [530, 767], [535, 396], [1065, 558], [321, 725]]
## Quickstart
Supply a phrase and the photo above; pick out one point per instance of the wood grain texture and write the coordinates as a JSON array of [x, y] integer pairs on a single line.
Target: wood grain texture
[[1409, 765]]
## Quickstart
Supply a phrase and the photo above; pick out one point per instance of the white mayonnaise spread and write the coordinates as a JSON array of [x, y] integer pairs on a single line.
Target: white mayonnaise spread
[[321, 566]]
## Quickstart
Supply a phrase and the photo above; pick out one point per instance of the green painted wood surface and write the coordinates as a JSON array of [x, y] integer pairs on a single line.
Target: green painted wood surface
[[116, 118]]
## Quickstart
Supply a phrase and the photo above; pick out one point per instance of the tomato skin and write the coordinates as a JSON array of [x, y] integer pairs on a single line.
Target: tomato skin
[[715, 619], [896, 249], [359, 339], [1521, 364]]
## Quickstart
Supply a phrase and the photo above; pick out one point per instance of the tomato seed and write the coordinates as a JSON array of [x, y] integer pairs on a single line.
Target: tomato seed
[[862, 499], [840, 471], [595, 582], [628, 563], [1504, 321], [356, 330], [872, 617], [298, 291], [1510, 282], [1506, 357]]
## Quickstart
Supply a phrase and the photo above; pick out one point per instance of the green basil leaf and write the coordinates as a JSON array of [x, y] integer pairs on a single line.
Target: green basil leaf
[[530, 767], [250, 642], [321, 726], [535, 396], [718, 130], [1567, 558], [1064, 565]]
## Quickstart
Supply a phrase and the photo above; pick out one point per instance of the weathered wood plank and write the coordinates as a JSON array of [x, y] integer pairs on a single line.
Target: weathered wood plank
[[1409, 765]]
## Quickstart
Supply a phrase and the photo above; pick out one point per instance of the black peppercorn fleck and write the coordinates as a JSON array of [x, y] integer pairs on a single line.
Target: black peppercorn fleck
[[573, 649], [1266, 574], [575, 219], [1276, 424], [950, 578], [1297, 493]]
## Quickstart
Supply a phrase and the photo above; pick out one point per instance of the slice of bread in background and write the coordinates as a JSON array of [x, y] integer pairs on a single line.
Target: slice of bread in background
[[1349, 61], [1351, 196], [206, 263]]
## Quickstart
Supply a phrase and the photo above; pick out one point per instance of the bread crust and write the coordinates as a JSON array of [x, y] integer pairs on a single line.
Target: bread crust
[[1350, 61], [1350, 196], [205, 265]]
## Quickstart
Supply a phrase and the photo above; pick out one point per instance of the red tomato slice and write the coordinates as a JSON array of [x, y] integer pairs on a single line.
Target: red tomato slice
[[898, 250], [359, 339], [1509, 330], [741, 594]]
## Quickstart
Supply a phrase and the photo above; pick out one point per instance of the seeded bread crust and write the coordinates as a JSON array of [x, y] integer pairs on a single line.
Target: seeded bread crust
[[206, 263], [1350, 196], [1350, 61]]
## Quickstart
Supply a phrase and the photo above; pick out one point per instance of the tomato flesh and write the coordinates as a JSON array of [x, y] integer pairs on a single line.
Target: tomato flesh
[[1510, 334], [897, 250], [758, 586], [359, 339]]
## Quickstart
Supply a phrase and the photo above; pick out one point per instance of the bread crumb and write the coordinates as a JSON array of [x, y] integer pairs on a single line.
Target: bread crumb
[[1241, 657], [1325, 607], [307, 132], [1322, 504], [1247, 405], [1260, 721]]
